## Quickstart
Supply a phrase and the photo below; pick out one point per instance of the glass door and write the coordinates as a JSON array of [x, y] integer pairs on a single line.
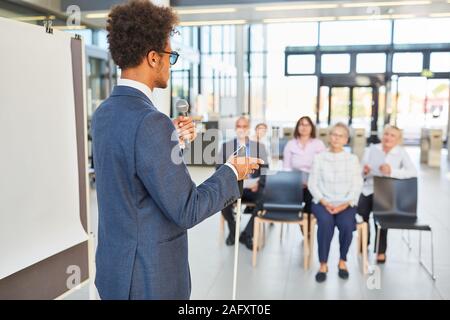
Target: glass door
[[339, 105], [362, 103]]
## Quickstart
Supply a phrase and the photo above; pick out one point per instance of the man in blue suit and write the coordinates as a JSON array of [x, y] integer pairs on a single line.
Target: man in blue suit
[[146, 198]]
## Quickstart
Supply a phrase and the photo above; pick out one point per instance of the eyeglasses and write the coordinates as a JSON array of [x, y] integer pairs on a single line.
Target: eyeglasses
[[173, 56]]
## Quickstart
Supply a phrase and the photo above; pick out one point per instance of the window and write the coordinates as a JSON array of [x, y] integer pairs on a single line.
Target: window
[[292, 34], [216, 39], [301, 64], [422, 31], [440, 61], [257, 65], [407, 62], [257, 37], [205, 33], [355, 32], [371, 63], [335, 63]]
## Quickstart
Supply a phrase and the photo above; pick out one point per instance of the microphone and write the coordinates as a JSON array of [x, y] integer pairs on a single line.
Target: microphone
[[182, 107], [241, 152]]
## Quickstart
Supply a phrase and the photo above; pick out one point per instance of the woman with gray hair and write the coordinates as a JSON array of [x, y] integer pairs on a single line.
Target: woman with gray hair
[[388, 159], [335, 183]]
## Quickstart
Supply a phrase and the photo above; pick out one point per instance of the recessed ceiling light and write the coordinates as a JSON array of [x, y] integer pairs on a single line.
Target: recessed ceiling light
[[213, 22], [298, 7], [206, 10], [384, 4]]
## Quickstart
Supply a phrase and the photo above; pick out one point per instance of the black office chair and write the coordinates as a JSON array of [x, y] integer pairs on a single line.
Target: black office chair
[[395, 207], [282, 202]]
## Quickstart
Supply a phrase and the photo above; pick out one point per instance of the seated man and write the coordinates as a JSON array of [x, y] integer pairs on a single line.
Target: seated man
[[253, 188]]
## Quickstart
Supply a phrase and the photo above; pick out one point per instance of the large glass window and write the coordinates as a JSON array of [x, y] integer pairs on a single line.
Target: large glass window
[[335, 63], [371, 63], [205, 37], [422, 31], [407, 62], [293, 34], [355, 32], [301, 64], [290, 98], [440, 61], [216, 39]]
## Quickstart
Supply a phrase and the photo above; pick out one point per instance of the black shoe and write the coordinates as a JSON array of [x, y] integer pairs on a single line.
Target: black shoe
[[246, 240], [248, 210], [321, 276], [243, 237], [343, 274], [230, 239]]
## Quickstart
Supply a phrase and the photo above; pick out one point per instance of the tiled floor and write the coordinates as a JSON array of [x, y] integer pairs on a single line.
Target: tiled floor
[[279, 273]]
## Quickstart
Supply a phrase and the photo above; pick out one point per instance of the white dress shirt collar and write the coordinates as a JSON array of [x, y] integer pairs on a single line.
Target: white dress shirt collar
[[395, 150], [136, 85]]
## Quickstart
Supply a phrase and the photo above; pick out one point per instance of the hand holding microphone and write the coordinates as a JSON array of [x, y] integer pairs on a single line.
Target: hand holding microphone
[[184, 125]]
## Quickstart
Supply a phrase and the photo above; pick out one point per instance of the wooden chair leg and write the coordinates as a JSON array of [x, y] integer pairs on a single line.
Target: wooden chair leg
[[256, 227], [364, 239], [221, 227], [263, 235], [306, 248], [359, 234]]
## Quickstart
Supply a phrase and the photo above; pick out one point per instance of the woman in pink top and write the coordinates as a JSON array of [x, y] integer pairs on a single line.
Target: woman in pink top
[[300, 151]]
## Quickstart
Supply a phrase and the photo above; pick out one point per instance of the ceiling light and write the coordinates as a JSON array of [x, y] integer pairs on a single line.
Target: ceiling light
[[97, 15], [378, 17], [384, 4], [69, 27], [303, 19], [209, 23], [210, 10], [440, 14], [298, 7], [35, 18]]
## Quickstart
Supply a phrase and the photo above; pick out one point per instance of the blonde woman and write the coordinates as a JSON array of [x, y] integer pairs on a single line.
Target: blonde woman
[[388, 159], [335, 183]]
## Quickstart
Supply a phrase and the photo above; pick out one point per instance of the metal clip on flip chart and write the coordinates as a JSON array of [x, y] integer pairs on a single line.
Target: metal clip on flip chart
[[241, 152]]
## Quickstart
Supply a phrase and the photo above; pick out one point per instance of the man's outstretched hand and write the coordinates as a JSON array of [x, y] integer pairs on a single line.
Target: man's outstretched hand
[[245, 165]]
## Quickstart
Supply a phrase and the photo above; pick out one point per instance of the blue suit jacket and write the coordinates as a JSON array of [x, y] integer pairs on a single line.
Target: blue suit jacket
[[146, 200]]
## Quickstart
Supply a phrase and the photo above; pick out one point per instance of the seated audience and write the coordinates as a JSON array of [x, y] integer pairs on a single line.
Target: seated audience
[[300, 151], [389, 159], [253, 192], [335, 183]]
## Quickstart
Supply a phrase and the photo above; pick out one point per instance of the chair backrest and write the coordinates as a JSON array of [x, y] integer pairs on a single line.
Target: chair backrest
[[284, 190], [395, 196]]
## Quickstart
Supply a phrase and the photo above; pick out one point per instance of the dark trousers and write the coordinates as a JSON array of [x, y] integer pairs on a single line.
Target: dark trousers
[[307, 198], [344, 221], [365, 207], [228, 212]]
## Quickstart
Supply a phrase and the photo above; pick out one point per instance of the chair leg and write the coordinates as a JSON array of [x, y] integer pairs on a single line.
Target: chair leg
[[281, 233], [430, 272], [359, 233], [306, 248], [364, 239], [263, 235], [420, 245], [221, 227], [407, 239], [377, 244], [256, 226]]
